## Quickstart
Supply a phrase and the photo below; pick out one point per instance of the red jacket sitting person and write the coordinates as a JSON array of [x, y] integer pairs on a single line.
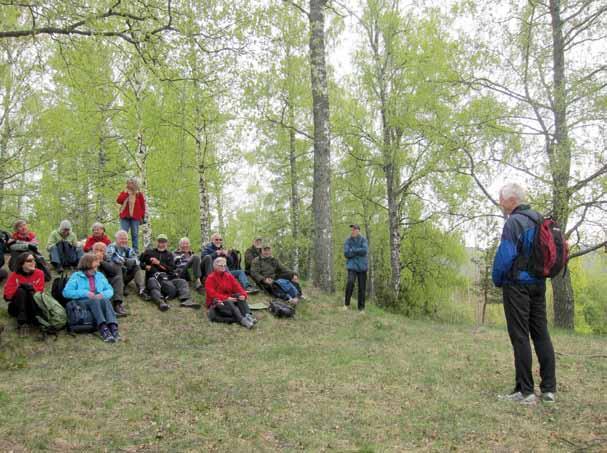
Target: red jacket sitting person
[[226, 299]]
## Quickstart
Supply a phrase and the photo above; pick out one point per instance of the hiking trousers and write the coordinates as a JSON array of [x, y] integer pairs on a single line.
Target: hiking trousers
[[525, 309], [362, 287], [23, 307], [229, 312]]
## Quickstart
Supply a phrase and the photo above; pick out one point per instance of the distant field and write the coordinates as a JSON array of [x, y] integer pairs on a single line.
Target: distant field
[[326, 381]]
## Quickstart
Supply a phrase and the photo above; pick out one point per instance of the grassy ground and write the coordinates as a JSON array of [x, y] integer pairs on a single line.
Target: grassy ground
[[327, 380]]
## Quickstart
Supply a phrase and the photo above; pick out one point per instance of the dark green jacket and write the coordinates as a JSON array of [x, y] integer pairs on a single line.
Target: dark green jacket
[[249, 255], [264, 267]]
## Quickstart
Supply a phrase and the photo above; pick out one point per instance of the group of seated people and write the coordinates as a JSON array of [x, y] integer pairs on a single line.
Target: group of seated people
[[105, 268]]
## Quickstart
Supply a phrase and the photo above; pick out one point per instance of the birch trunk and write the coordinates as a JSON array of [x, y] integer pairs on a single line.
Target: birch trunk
[[294, 190], [321, 195]]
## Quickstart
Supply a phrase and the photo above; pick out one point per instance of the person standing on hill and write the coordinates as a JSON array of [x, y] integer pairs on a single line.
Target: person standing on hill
[[356, 249], [524, 298], [132, 210]]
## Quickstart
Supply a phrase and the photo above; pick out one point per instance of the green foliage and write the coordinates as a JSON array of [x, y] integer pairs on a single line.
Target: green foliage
[[588, 275]]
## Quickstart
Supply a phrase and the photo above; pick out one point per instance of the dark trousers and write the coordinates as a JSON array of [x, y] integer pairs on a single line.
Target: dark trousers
[[525, 309], [113, 273], [23, 307], [168, 288], [229, 312], [195, 265], [362, 287]]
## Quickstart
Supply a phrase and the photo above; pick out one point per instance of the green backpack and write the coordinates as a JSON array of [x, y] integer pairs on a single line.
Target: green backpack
[[50, 314]]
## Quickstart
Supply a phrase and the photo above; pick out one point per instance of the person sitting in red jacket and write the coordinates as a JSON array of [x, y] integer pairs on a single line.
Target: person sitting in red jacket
[[226, 299], [97, 236], [20, 288], [25, 240], [132, 210]]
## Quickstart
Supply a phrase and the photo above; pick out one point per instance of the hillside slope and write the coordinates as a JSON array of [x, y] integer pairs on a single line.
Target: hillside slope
[[327, 380]]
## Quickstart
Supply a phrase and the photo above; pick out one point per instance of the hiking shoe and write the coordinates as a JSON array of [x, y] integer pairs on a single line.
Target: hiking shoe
[[23, 330], [345, 308], [252, 318], [293, 300], [120, 311], [548, 397], [115, 333], [163, 306], [144, 295], [107, 336], [189, 303], [246, 322], [514, 396], [529, 400]]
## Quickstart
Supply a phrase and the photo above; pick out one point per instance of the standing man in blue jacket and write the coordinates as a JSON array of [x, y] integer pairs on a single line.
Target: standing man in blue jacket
[[356, 249], [524, 298]]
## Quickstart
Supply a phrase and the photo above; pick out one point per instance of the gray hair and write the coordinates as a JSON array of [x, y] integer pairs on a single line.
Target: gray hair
[[65, 225], [121, 233], [182, 240], [98, 225], [513, 190], [219, 260]]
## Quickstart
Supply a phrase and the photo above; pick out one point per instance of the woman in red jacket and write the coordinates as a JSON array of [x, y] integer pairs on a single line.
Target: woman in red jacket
[[132, 210], [20, 288], [226, 299], [97, 236]]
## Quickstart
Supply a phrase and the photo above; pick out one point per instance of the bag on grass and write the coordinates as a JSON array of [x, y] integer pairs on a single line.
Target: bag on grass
[[281, 309], [80, 320], [50, 315], [57, 289]]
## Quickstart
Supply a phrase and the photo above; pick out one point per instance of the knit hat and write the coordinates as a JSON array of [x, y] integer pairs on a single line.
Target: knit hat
[[65, 225]]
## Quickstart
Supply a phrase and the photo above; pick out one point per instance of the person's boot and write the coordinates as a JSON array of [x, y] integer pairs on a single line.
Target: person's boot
[[163, 306], [114, 332], [246, 322], [189, 303], [119, 309]]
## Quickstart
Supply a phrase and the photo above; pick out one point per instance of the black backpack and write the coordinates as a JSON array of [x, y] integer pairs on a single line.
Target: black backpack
[[79, 319], [281, 309], [57, 289]]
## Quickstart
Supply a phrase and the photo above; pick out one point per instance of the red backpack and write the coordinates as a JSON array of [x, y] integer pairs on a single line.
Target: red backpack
[[549, 251]]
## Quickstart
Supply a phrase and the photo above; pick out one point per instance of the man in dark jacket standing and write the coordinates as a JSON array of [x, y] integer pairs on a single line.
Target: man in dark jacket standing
[[356, 249], [524, 298]]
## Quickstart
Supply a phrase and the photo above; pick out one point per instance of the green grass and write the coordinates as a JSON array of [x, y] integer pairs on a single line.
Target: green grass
[[327, 380]]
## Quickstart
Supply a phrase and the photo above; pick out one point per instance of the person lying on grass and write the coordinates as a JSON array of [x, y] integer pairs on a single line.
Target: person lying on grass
[[226, 299]]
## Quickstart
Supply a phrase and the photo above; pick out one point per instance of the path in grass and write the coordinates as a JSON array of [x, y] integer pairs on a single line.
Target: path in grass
[[327, 380]]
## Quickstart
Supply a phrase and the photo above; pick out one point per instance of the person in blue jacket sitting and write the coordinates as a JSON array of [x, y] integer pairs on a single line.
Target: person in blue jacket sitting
[[92, 291], [356, 249]]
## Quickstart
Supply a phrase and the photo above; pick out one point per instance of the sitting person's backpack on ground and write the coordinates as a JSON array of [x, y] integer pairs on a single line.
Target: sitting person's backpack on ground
[[281, 309], [50, 315], [57, 289], [80, 320]]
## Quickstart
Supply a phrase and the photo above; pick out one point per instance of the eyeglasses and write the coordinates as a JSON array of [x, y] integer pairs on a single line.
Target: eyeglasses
[[221, 265], [217, 240], [30, 260]]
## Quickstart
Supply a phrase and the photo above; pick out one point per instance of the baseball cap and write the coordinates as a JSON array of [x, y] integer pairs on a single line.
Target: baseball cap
[[162, 237], [355, 225]]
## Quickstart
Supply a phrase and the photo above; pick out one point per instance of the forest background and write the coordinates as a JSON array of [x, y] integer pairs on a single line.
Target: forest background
[[290, 120]]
